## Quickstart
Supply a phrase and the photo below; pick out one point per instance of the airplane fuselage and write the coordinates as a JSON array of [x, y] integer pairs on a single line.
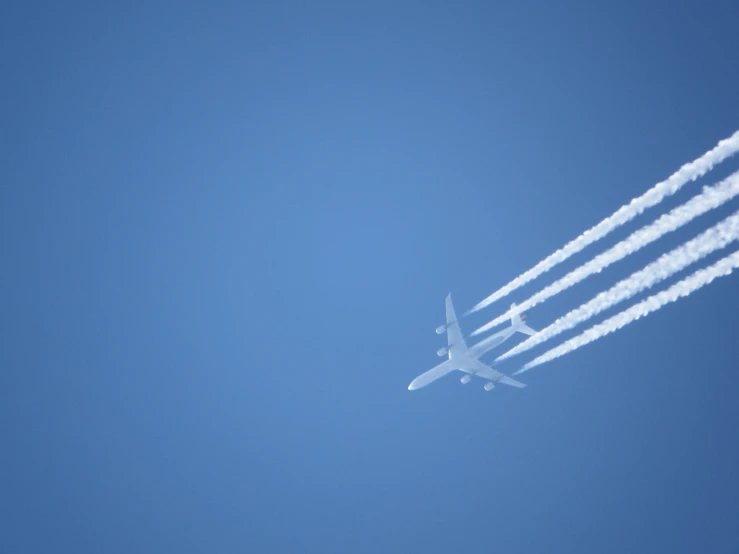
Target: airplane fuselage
[[431, 375], [493, 341]]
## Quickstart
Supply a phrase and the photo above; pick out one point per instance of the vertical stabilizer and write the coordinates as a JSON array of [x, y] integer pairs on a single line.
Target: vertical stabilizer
[[515, 318]]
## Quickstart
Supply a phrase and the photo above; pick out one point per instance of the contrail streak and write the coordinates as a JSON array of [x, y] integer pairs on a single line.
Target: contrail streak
[[710, 198], [717, 237], [689, 172], [699, 279]]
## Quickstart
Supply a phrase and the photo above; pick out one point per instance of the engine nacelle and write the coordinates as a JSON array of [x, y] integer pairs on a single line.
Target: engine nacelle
[[441, 329], [489, 386], [442, 352], [466, 379]]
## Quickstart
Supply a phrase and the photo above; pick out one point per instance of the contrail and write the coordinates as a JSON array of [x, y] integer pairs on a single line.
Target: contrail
[[689, 172], [717, 237], [710, 198], [679, 290]]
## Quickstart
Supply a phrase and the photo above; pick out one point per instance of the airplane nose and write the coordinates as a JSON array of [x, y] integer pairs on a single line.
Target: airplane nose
[[412, 386]]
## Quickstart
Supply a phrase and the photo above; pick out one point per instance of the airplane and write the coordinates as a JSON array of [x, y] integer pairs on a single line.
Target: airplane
[[466, 359]]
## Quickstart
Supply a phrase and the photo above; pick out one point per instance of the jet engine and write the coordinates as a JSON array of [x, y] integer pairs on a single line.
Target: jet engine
[[489, 386], [466, 379], [440, 329], [442, 352]]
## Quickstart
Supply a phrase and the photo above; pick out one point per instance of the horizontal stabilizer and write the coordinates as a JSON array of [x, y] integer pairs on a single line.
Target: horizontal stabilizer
[[526, 329]]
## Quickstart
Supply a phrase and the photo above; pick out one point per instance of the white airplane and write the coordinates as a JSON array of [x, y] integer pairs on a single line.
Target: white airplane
[[465, 358]]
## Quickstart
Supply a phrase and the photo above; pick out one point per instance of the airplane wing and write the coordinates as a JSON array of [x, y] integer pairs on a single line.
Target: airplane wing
[[487, 372], [511, 382], [454, 334]]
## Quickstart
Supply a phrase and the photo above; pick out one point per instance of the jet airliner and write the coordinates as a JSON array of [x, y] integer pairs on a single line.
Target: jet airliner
[[466, 359]]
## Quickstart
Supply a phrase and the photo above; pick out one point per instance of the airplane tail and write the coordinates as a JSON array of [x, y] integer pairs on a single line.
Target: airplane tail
[[517, 321]]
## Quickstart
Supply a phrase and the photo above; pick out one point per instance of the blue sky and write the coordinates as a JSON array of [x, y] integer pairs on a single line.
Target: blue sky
[[227, 233]]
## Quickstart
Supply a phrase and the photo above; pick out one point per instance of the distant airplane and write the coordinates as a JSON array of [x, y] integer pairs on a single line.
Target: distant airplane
[[466, 359]]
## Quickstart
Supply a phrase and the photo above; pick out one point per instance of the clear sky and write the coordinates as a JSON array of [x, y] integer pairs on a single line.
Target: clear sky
[[227, 232]]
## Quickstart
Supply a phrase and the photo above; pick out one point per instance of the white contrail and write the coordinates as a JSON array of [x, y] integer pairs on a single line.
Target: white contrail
[[679, 290], [689, 172], [717, 237], [710, 198]]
